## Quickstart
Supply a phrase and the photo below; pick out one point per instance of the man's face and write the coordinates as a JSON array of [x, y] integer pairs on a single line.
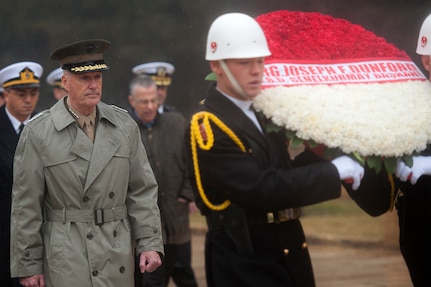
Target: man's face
[[145, 102], [21, 102], [2, 100], [426, 62], [247, 72], [85, 90], [59, 93], [162, 92]]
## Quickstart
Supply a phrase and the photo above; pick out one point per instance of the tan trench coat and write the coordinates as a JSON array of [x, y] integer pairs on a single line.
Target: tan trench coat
[[58, 172]]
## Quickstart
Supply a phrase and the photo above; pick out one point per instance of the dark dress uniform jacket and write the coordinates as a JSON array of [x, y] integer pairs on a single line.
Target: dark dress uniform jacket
[[242, 249], [257, 181], [8, 142], [414, 213]]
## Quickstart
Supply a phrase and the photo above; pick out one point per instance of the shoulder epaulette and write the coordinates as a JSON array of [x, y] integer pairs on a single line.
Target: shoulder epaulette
[[117, 108], [36, 116]]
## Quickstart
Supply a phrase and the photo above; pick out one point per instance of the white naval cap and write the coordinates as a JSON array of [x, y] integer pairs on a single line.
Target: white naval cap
[[160, 72], [54, 78], [21, 75]]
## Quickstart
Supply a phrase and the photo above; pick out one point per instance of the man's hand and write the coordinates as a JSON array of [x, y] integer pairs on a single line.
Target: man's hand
[[348, 169], [421, 166], [33, 281], [403, 172], [193, 208], [149, 261]]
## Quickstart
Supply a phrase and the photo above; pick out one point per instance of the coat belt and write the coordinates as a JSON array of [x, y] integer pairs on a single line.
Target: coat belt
[[275, 217], [96, 216]]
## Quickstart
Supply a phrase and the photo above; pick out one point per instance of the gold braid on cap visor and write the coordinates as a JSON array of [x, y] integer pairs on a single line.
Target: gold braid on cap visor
[[86, 67], [161, 81], [26, 76]]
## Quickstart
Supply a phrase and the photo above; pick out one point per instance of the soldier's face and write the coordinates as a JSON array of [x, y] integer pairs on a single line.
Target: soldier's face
[[21, 102], [59, 93], [85, 90], [144, 101], [247, 72], [162, 92]]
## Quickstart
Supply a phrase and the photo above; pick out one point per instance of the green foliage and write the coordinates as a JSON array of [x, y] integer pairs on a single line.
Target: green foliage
[[211, 77], [373, 162]]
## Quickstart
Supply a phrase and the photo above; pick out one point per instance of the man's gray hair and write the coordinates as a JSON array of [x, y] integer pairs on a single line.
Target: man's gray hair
[[143, 81]]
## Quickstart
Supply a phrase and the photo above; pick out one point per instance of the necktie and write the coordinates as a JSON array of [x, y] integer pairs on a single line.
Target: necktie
[[252, 115], [88, 128], [21, 126]]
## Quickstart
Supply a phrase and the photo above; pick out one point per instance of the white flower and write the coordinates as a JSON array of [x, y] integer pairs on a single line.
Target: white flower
[[380, 119]]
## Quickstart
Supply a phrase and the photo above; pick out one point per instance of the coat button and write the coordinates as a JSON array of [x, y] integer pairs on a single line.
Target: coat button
[[85, 199], [304, 245], [27, 253], [115, 233], [155, 230], [286, 251], [122, 269], [95, 273], [111, 194], [90, 236]]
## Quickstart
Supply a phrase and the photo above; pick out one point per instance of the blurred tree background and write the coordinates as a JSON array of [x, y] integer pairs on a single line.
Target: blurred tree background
[[173, 31]]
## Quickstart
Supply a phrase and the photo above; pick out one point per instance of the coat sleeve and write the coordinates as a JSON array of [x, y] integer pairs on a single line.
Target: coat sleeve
[[26, 212], [141, 200], [228, 172], [375, 194]]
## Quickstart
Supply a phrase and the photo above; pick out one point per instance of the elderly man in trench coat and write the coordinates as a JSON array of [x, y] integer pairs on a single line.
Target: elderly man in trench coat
[[81, 208]]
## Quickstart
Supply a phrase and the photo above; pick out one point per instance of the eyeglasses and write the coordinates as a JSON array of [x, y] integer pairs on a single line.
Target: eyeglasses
[[146, 102]]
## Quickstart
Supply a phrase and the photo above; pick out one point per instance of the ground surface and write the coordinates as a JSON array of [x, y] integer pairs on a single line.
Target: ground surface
[[348, 248]]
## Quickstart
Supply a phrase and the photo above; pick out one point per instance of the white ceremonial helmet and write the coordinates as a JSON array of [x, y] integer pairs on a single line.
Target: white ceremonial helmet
[[235, 36], [424, 39]]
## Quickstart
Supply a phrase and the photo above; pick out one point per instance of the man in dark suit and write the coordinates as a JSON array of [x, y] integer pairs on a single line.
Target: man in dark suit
[[161, 73], [247, 186], [414, 198], [20, 82], [163, 138], [1, 96]]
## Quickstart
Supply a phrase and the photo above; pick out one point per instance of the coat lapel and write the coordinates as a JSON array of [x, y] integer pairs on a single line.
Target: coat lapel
[[106, 143], [8, 136], [234, 117], [81, 146]]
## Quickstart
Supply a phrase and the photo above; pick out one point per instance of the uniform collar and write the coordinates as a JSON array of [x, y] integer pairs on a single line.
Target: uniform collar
[[62, 118], [14, 121]]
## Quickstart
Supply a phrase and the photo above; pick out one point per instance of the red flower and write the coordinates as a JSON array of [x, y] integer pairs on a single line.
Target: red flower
[[314, 36]]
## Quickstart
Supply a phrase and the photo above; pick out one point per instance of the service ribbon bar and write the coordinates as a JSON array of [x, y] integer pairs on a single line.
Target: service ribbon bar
[[284, 73]]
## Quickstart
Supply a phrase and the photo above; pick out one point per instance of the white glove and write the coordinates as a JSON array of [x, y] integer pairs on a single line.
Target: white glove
[[348, 169], [402, 171], [421, 166]]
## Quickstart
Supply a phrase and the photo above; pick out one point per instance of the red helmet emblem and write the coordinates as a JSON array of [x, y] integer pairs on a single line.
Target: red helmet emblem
[[213, 47], [424, 41]]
